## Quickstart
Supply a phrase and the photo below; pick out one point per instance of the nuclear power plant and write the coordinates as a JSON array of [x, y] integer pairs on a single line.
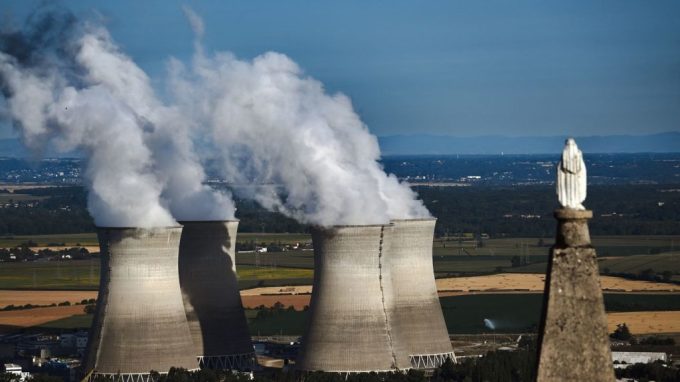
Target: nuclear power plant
[[422, 339], [139, 324], [207, 275], [374, 303], [169, 297]]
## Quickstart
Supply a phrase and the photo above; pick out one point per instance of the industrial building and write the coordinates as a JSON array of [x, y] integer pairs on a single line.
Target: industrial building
[[207, 275], [140, 323], [374, 304], [348, 329], [421, 339]]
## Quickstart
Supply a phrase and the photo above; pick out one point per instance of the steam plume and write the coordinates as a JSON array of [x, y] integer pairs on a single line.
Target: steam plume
[[274, 125], [90, 96]]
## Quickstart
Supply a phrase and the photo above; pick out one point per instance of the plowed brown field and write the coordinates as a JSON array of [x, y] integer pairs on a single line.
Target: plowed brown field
[[37, 316], [43, 297]]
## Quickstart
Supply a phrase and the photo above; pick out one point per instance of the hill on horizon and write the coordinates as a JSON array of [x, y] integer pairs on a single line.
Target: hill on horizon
[[427, 144]]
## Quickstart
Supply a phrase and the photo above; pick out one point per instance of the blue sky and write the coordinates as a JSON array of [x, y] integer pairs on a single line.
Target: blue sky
[[461, 68]]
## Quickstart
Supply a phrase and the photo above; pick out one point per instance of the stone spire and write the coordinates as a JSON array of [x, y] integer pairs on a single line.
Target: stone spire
[[573, 341]]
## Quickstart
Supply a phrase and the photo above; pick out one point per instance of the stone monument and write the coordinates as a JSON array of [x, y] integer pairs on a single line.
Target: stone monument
[[573, 341]]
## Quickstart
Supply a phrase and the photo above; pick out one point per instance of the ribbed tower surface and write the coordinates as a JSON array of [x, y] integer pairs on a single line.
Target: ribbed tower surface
[[207, 274], [421, 339], [139, 324], [348, 329]]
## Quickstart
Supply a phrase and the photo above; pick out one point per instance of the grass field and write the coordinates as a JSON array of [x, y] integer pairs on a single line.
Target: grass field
[[624, 264], [283, 238], [81, 239], [6, 198], [77, 274], [632, 264], [246, 272]]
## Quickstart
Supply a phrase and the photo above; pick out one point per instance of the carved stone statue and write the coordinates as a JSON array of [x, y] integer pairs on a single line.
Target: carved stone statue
[[571, 177]]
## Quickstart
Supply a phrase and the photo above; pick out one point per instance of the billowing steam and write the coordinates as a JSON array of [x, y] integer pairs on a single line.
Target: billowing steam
[[69, 86], [273, 125]]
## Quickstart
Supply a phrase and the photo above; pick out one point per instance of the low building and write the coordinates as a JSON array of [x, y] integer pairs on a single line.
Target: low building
[[624, 359], [15, 369]]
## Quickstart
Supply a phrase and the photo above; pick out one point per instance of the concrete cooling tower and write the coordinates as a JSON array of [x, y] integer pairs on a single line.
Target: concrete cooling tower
[[207, 275], [348, 330], [139, 324], [421, 339]]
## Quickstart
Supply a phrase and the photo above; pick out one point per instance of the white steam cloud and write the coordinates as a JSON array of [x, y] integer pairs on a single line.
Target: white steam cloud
[[267, 122], [123, 191], [141, 169], [274, 125]]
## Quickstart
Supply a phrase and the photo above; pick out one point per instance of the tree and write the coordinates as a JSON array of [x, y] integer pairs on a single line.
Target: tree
[[516, 261], [667, 276], [621, 333]]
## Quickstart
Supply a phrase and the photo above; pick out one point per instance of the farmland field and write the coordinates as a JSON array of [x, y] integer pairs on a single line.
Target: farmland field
[[43, 297], [6, 198], [76, 239], [73, 275], [510, 313], [84, 275]]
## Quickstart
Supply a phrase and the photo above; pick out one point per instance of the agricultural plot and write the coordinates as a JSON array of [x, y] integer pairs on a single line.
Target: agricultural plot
[[55, 275], [283, 238], [509, 313], [289, 259], [69, 240], [634, 264], [43, 297], [7, 198]]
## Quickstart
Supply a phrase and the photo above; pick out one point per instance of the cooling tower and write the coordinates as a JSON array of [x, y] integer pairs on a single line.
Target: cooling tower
[[348, 330], [207, 275], [139, 323], [421, 339]]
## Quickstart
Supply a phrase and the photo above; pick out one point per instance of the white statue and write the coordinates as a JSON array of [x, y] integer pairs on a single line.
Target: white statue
[[571, 177]]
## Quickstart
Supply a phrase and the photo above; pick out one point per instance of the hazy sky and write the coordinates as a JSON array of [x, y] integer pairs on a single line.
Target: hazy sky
[[442, 67]]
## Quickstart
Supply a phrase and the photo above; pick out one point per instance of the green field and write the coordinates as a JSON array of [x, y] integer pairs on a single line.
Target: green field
[[6, 198], [290, 259], [64, 275], [84, 274], [283, 238], [71, 240], [633, 264]]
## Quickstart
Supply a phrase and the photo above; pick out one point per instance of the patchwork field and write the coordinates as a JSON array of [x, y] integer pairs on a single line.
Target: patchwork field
[[510, 313], [38, 316], [646, 322], [70, 240], [536, 283], [69, 275], [43, 297]]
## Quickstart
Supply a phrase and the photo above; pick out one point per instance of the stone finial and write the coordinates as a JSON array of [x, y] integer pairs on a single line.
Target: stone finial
[[573, 341], [571, 177]]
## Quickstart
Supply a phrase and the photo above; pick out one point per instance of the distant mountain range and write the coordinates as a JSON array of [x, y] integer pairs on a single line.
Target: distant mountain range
[[424, 144]]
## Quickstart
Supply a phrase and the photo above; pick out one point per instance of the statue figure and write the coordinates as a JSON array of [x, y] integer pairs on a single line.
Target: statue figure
[[571, 177]]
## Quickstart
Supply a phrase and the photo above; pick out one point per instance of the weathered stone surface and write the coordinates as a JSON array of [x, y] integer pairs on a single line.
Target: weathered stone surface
[[572, 228], [574, 344]]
